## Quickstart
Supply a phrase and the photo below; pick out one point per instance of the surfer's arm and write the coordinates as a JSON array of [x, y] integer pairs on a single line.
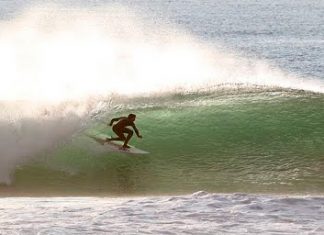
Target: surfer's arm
[[115, 120], [136, 131]]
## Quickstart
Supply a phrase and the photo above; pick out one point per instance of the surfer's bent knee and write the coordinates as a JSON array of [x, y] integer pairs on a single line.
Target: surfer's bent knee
[[119, 133], [128, 131]]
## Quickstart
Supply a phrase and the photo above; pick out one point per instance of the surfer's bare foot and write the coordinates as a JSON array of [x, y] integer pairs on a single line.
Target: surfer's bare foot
[[126, 146]]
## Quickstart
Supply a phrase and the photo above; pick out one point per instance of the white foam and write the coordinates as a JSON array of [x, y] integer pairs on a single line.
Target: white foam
[[28, 129], [200, 213]]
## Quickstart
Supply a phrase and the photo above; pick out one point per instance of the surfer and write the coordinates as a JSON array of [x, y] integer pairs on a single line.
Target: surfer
[[121, 127]]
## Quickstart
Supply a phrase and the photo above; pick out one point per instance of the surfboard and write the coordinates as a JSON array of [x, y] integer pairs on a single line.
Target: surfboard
[[115, 146]]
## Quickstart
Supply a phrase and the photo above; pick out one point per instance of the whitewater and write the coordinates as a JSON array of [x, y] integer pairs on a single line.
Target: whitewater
[[229, 100], [199, 213]]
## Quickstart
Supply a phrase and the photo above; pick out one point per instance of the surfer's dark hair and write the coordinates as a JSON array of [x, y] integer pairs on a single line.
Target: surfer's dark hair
[[131, 115]]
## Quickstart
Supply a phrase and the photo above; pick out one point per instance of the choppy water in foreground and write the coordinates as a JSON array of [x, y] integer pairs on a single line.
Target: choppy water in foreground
[[248, 118], [199, 213]]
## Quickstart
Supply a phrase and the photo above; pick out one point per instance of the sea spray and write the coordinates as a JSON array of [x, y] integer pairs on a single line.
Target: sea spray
[[51, 56], [28, 129], [58, 54]]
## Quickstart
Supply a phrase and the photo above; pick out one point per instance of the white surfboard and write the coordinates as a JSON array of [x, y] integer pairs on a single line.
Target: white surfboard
[[116, 146]]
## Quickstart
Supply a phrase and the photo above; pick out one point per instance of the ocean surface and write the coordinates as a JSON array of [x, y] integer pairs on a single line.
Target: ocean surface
[[229, 98], [198, 213]]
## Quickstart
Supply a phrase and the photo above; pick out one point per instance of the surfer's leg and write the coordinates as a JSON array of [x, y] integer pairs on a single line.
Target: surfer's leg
[[129, 136], [120, 135], [115, 138]]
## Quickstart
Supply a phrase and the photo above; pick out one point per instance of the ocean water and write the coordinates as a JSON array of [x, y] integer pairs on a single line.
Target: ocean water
[[229, 100], [199, 213]]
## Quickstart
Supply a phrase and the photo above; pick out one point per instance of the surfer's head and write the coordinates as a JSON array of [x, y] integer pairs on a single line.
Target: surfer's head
[[132, 117]]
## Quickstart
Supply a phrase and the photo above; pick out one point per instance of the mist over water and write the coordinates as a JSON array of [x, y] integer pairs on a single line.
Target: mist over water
[[229, 101], [56, 54], [65, 68]]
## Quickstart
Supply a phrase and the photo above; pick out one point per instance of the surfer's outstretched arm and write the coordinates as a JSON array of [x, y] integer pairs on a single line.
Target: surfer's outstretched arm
[[115, 120], [136, 131]]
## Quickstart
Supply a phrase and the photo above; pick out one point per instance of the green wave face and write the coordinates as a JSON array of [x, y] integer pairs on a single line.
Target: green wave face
[[268, 141]]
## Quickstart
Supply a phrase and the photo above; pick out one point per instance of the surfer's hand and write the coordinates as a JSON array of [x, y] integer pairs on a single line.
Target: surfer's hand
[[139, 136], [110, 124]]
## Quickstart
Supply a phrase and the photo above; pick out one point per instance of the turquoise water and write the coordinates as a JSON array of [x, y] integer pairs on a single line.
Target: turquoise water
[[249, 117], [226, 141], [229, 97]]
